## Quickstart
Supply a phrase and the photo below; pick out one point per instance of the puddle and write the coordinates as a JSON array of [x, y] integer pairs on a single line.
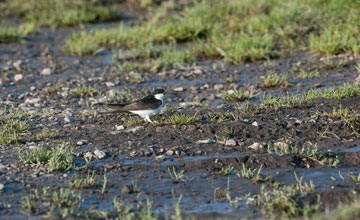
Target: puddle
[[352, 150]]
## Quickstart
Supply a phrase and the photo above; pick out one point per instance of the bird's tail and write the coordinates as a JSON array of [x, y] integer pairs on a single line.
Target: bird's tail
[[115, 108]]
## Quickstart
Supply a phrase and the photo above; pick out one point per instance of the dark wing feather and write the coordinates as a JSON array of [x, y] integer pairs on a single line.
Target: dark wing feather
[[149, 102]]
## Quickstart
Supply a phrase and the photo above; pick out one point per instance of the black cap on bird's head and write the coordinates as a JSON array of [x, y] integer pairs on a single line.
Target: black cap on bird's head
[[158, 91]]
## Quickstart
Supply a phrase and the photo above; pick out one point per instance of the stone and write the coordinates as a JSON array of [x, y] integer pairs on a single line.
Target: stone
[[230, 142], [1, 186], [169, 152], [18, 77], [119, 127], [109, 84], [46, 72], [178, 89], [33, 100], [126, 190], [81, 142], [69, 119], [256, 146], [99, 154], [136, 129], [160, 158], [218, 86], [17, 65], [206, 141], [255, 124], [3, 167]]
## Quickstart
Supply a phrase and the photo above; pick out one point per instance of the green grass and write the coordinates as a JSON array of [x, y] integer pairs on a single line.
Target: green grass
[[336, 39], [251, 174], [53, 13], [63, 203], [347, 90], [57, 159], [345, 211], [303, 74], [12, 124], [226, 171], [84, 182], [273, 79], [120, 96], [84, 91], [306, 153], [236, 31], [178, 119], [9, 34], [239, 95], [286, 200]]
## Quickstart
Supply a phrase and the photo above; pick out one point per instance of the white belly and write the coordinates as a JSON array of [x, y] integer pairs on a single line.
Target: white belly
[[144, 113]]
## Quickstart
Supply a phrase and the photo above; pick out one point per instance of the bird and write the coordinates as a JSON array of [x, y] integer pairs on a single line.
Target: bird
[[145, 108]]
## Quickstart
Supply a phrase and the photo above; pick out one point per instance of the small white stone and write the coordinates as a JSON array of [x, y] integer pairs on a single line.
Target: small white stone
[[33, 100], [230, 142], [186, 104], [119, 127], [69, 119], [99, 154], [2, 186], [218, 86], [81, 142], [46, 72], [109, 84], [178, 89], [256, 146], [32, 88], [18, 77], [206, 141], [255, 124], [169, 153], [88, 155], [136, 129], [17, 65], [160, 157]]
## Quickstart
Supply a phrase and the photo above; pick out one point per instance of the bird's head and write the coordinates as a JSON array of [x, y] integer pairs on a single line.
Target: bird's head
[[159, 94]]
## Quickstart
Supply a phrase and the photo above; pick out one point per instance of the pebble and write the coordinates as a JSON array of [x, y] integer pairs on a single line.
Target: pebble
[[115, 132], [178, 89], [256, 146], [99, 154], [109, 84], [126, 190], [33, 100], [32, 88], [46, 72], [81, 142], [255, 124], [220, 106], [119, 127], [186, 104], [69, 119], [218, 86], [133, 154], [18, 77], [169, 153], [230, 142], [17, 65], [2, 186], [88, 155], [206, 141], [137, 128], [160, 158]]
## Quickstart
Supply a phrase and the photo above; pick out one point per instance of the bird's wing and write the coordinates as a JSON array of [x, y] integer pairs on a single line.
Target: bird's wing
[[149, 102]]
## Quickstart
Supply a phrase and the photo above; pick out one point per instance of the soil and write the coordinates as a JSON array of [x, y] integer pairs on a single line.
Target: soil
[[145, 156]]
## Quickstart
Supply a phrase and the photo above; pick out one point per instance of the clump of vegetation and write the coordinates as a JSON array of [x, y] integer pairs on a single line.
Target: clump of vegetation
[[121, 96], [239, 95], [273, 79], [84, 91], [63, 203], [303, 74], [57, 159], [179, 119], [306, 153], [85, 182], [11, 125], [53, 13], [10, 34], [251, 174], [286, 200]]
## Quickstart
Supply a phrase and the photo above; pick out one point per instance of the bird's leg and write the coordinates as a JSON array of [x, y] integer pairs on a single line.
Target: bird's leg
[[147, 118]]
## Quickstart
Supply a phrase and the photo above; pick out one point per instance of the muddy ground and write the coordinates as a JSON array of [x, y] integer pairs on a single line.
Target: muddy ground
[[144, 156]]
